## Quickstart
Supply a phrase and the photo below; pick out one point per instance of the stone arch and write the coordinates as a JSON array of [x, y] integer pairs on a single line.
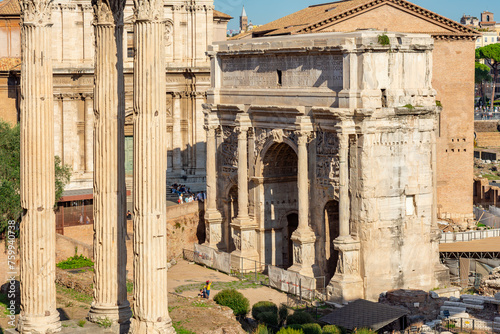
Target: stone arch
[[289, 220], [279, 191], [331, 222], [259, 167]]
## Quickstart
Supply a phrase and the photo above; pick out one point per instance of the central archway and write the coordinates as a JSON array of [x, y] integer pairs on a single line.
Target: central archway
[[279, 171]]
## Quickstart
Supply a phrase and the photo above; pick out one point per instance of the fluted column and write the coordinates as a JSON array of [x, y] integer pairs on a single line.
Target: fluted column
[[213, 218], [89, 133], [110, 253], [150, 165], [244, 236], [303, 237], [346, 284], [38, 236], [177, 135], [344, 202]]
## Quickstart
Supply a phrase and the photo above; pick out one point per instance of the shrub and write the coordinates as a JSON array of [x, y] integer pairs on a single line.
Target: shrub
[[290, 330], [262, 329], [263, 306], [364, 331], [331, 329], [282, 314], [384, 39], [299, 318], [312, 329], [77, 261], [269, 318], [234, 300]]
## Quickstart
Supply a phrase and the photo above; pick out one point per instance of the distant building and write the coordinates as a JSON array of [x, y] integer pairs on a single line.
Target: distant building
[[470, 21], [487, 20], [243, 20], [488, 37]]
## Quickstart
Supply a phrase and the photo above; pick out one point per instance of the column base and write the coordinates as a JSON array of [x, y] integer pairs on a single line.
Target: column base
[[213, 221], [303, 252], [150, 327], [117, 314], [245, 240], [42, 325], [347, 284]]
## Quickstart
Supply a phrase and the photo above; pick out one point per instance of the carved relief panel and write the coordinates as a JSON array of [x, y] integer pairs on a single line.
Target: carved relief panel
[[327, 159]]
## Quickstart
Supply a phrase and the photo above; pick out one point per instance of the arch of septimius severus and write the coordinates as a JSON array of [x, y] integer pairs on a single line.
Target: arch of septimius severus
[[321, 158], [37, 236]]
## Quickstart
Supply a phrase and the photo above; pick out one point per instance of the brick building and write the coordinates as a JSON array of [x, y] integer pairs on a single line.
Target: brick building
[[453, 78]]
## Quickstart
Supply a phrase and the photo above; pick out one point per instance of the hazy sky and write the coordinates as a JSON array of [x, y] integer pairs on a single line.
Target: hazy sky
[[264, 11]]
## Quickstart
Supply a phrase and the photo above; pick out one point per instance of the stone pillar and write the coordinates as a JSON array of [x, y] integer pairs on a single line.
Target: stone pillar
[[213, 218], [38, 230], [177, 133], [346, 284], [89, 133], [303, 237], [150, 165], [244, 234], [110, 253], [200, 145]]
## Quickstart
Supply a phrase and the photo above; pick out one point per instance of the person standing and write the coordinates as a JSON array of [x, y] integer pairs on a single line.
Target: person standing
[[207, 288]]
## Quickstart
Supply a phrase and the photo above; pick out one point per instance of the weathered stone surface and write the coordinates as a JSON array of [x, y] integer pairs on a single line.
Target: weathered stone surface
[[371, 157]]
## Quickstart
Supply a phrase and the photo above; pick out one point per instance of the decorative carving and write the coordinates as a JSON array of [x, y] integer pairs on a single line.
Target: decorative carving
[[108, 12], [327, 158], [297, 253], [229, 150], [148, 10], [248, 242], [237, 239], [169, 32], [35, 12], [276, 135]]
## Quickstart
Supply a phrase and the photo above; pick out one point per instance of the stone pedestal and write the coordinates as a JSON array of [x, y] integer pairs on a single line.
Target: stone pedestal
[[303, 252], [37, 228], [347, 284], [245, 241], [213, 222]]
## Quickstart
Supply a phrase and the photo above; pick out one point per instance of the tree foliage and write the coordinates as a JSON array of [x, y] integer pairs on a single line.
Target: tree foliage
[[10, 170], [491, 55]]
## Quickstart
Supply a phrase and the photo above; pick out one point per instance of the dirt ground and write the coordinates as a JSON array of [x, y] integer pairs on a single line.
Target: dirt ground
[[186, 309]]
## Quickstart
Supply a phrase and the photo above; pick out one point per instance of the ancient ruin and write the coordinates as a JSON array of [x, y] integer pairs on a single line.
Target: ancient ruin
[[323, 151], [38, 295]]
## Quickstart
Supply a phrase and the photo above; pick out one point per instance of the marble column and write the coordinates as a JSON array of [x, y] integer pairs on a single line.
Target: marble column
[[346, 284], [213, 218], [244, 228], [89, 133], [303, 237], [37, 228], [110, 253], [177, 134], [150, 165]]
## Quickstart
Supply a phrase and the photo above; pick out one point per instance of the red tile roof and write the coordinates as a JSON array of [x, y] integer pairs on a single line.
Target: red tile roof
[[10, 8]]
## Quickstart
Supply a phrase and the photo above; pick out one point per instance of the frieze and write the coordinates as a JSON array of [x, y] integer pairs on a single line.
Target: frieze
[[319, 71], [327, 158]]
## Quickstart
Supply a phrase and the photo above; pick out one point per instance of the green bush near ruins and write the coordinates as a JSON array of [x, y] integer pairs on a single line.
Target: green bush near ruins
[[289, 330], [75, 262], [234, 300], [331, 329], [299, 318], [10, 173], [262, 307]]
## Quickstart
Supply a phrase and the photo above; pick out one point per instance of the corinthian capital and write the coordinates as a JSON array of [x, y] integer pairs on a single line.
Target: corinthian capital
[[35, 12], [108, 11], [148, 10]]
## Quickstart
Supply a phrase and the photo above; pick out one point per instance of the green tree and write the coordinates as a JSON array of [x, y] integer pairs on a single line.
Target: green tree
[[482, 75], [10, 165], [491, 55]]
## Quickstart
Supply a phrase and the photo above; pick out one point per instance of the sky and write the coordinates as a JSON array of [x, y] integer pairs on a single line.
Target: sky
[[265, 11]]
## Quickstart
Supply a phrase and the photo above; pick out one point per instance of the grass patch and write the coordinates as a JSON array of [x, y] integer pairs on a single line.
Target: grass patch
[[199, 304], [73, 294], [384, 39], [409, 106], [130, 286], [4, 303], [490, 176], [237, 285], [75, 262], [81, 323], [179, 329]]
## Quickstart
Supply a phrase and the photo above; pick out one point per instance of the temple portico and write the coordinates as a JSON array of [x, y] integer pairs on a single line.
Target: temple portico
[[322, 150]]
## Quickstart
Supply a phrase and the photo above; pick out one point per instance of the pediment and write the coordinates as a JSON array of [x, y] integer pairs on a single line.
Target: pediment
[[391, 15]]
